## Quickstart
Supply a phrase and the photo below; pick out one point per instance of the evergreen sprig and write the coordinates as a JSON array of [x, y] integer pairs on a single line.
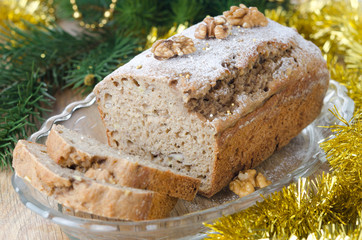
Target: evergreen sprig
[[49, 47], [100, 61], [38, 60], [262, 5], [140, 15], [21, 107], [187, 10]]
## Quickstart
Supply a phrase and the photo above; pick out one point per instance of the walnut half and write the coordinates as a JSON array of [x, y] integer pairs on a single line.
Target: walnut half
[[247, 182], [245, 17], [176, 46], [213, 27]]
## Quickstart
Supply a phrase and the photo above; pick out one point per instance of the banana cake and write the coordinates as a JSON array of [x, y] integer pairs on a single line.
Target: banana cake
[[223, 106]]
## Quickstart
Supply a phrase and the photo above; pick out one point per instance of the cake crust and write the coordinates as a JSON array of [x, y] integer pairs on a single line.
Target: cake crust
[[259, 134], [98, 161], [74, 190]]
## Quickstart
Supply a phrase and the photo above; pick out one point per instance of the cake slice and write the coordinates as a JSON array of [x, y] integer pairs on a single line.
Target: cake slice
[[99, 161], [72, 189], [221, 109]]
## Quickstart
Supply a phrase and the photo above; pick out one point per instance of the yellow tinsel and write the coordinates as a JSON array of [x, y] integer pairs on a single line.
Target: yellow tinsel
[[33, 11], [334, 26], [153, 36], [329, 207], [352, 79]]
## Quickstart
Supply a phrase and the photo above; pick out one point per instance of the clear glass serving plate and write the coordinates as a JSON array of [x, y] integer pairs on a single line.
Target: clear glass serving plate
[[300, 158]]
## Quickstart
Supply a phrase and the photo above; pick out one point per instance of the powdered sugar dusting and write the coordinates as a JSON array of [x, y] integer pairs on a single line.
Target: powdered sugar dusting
[[205, 65]]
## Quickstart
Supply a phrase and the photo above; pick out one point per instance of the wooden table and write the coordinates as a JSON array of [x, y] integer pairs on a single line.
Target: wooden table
[[16, 221], [19, 223]]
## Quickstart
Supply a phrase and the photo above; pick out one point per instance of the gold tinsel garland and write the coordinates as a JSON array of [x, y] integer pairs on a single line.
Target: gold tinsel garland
[[329, 207], [33, 11], [153, 36]]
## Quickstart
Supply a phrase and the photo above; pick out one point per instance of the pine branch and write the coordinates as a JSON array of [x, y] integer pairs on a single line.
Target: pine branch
[[219, 6], [187, 10], [46, 47], [139, 16], [21, 107], [53, 51], [101, 61]]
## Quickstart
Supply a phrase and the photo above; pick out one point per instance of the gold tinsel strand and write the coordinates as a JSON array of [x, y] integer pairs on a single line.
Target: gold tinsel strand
[[300, 210], [352, 79], [334, 26], [33, 11], [344, 151], [329, 207], [153, 36]]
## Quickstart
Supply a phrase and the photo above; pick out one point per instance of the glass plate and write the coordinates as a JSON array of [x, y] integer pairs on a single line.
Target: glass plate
[[300, 158]]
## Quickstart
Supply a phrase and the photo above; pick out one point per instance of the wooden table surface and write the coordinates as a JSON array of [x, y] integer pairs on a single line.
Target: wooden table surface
[[19, 223]]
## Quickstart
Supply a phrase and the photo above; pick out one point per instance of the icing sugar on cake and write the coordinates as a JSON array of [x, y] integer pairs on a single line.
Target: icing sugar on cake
[[205, 66]]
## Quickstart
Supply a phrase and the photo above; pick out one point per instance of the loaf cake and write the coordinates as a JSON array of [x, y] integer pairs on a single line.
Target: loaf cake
[[101, 162], [72, 189], [221, 109]]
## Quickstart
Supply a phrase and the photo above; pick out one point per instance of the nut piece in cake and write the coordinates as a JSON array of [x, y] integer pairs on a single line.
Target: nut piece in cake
[[246, 182], [213, 27], [245, 17], [177, 46]]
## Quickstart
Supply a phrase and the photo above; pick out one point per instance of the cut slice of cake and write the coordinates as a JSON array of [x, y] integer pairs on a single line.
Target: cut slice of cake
[[72, 189], [99, 161]]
